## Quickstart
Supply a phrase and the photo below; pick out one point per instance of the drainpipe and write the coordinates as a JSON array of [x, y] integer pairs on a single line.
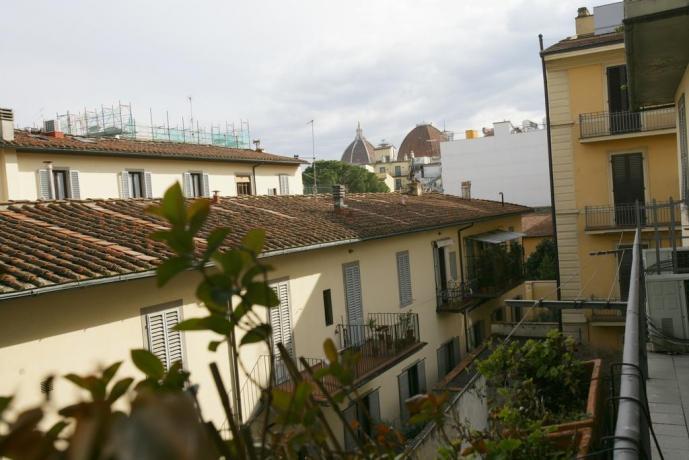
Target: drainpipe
[[550, 168], [253, 177]]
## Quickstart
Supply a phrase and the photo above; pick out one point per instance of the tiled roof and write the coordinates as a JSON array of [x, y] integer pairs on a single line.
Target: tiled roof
[[54, 243], [424, 141], [537, 225], [588, 41], [127, 147]]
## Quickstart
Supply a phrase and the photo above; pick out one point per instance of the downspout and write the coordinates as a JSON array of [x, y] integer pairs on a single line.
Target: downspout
[[234, 368], [253, 178], [550, 169], [461, 277]]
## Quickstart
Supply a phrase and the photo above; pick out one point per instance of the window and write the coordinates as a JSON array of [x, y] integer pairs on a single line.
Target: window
[[195, 184], [381, 169], [328, 307], [411, 382], [453, 265], [243, 185], [61, 184], [281, 325], [196, 181], [476, 334], [404, 278], [448, 357], [366, 419], [284, 184], [161, 338], [398, 184], [398, 171], [136, 184]]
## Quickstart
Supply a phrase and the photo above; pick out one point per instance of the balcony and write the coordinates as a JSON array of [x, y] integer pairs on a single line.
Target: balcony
[[384, 340], [615, 217], [604, 124]]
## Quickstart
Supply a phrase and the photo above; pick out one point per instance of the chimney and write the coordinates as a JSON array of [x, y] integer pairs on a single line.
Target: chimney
[[466, 189], [6, 125], [584, 22], [339, 197], [52, 128], [257, 144], [216, 197], [415, 188]]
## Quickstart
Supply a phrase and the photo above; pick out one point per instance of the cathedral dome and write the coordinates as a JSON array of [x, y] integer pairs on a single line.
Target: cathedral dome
[[360, 151], [424, 141]]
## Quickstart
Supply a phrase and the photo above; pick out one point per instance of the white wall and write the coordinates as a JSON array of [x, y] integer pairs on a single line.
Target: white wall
[[515, 164]]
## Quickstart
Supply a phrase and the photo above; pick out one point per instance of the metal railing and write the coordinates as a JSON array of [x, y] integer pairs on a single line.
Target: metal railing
[[380, 339], [599, 124], [454, 297], [631, 428], [662, 214], [257, 381]]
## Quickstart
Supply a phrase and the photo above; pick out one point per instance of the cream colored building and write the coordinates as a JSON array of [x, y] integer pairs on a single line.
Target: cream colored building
[[401, 261], [47, 166]]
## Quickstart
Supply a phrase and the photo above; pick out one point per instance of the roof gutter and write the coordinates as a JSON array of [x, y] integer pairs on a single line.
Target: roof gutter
[[278, 252], [122, 154]]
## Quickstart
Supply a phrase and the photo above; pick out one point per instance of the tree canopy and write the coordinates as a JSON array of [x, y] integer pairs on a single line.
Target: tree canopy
[[355, 178], [541, 263]]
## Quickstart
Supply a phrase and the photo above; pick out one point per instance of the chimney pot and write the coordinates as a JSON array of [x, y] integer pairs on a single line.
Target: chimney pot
[[216, 197], [584, 22], [6, 125], [466, 189], [339, 196]]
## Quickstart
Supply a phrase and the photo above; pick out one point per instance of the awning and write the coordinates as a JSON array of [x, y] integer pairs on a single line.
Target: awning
[[496, 236]]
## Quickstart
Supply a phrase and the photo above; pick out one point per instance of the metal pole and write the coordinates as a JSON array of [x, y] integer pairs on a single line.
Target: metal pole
[[150, 113], [313, 156], [550, 168], [167, 118], [672, 235], [656, 234]]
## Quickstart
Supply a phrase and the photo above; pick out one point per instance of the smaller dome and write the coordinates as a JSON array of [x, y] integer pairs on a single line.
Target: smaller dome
[[360, 151]]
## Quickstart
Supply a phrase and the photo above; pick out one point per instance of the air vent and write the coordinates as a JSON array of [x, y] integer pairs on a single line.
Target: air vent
[[6, 114]]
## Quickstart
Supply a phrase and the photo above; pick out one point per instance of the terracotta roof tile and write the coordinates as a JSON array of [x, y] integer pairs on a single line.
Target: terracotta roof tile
[[128, 147], [537, 225], [587, 41], [51, 243]]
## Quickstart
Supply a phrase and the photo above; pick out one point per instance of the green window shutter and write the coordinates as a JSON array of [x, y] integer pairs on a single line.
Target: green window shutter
[[422, 375], [374, 407], [403, 386]]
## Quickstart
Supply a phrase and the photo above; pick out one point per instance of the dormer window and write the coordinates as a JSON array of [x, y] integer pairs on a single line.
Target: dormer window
[[195, 184], [135, 184], [58, 183]]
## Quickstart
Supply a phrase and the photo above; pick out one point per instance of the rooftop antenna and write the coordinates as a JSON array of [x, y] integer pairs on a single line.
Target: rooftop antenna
[[313, 153], [191, 114]]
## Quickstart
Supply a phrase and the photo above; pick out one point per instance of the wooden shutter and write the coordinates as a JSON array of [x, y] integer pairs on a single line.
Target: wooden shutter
[[163, 341], [284, 184], [45, 192], [186, 185], [124, 185], [148, 187], [453, 265], [353, 300], [404, 278], [374, 407], [455, 352], [421, 372], [74, 189], [442, 361], [205, 187], [350, 416], [628, 178], [403, 384]]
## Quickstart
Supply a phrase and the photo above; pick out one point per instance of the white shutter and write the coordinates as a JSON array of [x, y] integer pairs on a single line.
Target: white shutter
[[186, 185], [403, 384], [284, 184], [124, 185], [404, 278], [205, 186], [45, 192], [148, 186], [164, 342], [74, 189], [352, 281], [280, 319]]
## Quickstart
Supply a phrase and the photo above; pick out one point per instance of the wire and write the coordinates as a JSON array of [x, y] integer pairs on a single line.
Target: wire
[[617, 272]]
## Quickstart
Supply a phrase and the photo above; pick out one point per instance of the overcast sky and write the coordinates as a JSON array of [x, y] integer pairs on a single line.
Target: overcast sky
[[389, 64]]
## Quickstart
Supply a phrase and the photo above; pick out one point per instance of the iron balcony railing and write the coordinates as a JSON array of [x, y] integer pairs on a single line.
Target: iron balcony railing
[[257, 380], [662, 214], [599, 124], [380, 340]]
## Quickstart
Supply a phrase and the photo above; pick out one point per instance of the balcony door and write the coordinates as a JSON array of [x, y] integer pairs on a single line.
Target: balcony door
[[621, 119], [628, 186]]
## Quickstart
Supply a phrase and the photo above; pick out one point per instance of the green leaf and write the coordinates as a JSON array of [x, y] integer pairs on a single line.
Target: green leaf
[[253, 240], [56, 429], [5, 402], [215, 323], [260, 294], [215, 240], [258, 334], [172, 206], [330, 351], [148, 363], [171, 267], [215, 298], [110, 372], [214, 344], [231, 262], [281, 399], [197, 213], [119, 389], [176, 377]]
